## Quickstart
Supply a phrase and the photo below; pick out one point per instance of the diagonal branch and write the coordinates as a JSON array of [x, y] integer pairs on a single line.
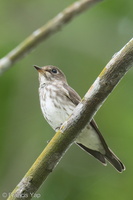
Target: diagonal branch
[[44, 32], [86, 109]]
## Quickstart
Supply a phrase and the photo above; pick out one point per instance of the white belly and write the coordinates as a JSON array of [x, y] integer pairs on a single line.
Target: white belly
[[55, 111], [89, 138]]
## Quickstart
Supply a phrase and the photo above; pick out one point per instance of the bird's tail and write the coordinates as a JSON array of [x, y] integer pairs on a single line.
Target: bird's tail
[[109, 155], [115, 161]]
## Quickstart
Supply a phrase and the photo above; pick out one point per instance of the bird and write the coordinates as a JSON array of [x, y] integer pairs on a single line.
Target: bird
[[57, 102]]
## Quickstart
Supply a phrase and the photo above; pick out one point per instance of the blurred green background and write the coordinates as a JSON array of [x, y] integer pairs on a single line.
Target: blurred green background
[[81, 49]]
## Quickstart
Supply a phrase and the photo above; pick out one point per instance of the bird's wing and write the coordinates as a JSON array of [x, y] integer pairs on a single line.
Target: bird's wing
[[108, 154], [72, 95]]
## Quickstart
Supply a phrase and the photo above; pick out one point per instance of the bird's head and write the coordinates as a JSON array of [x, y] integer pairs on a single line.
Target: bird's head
[[50, 74]]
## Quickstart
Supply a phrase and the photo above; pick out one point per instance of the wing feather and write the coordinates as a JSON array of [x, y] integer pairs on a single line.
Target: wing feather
[[73, 96]]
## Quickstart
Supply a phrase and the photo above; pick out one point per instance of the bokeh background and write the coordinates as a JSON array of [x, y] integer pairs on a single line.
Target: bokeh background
[[81, 49]]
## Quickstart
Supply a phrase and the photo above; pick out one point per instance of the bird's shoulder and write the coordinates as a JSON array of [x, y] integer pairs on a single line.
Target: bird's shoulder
[[71, 94]]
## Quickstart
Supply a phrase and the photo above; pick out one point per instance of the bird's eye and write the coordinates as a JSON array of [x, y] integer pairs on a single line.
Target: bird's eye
[[54, 71]]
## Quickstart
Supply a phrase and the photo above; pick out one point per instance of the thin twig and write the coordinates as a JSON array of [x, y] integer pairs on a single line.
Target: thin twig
[[44, 32], [83, 113]]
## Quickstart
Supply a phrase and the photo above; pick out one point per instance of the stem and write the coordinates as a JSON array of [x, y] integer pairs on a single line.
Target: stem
[[44, 32]]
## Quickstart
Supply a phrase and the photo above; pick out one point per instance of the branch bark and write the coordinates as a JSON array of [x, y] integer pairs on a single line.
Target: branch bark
[[86, 109], [44, 32]]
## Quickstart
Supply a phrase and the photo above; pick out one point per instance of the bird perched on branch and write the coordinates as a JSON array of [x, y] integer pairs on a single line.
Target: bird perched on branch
[[58, 100]]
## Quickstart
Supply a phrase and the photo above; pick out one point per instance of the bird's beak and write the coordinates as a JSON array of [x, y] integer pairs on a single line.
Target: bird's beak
[[39, 69]]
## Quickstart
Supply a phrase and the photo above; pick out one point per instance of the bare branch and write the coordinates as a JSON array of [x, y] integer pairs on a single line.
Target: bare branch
[[44, 32], [83, 113]]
